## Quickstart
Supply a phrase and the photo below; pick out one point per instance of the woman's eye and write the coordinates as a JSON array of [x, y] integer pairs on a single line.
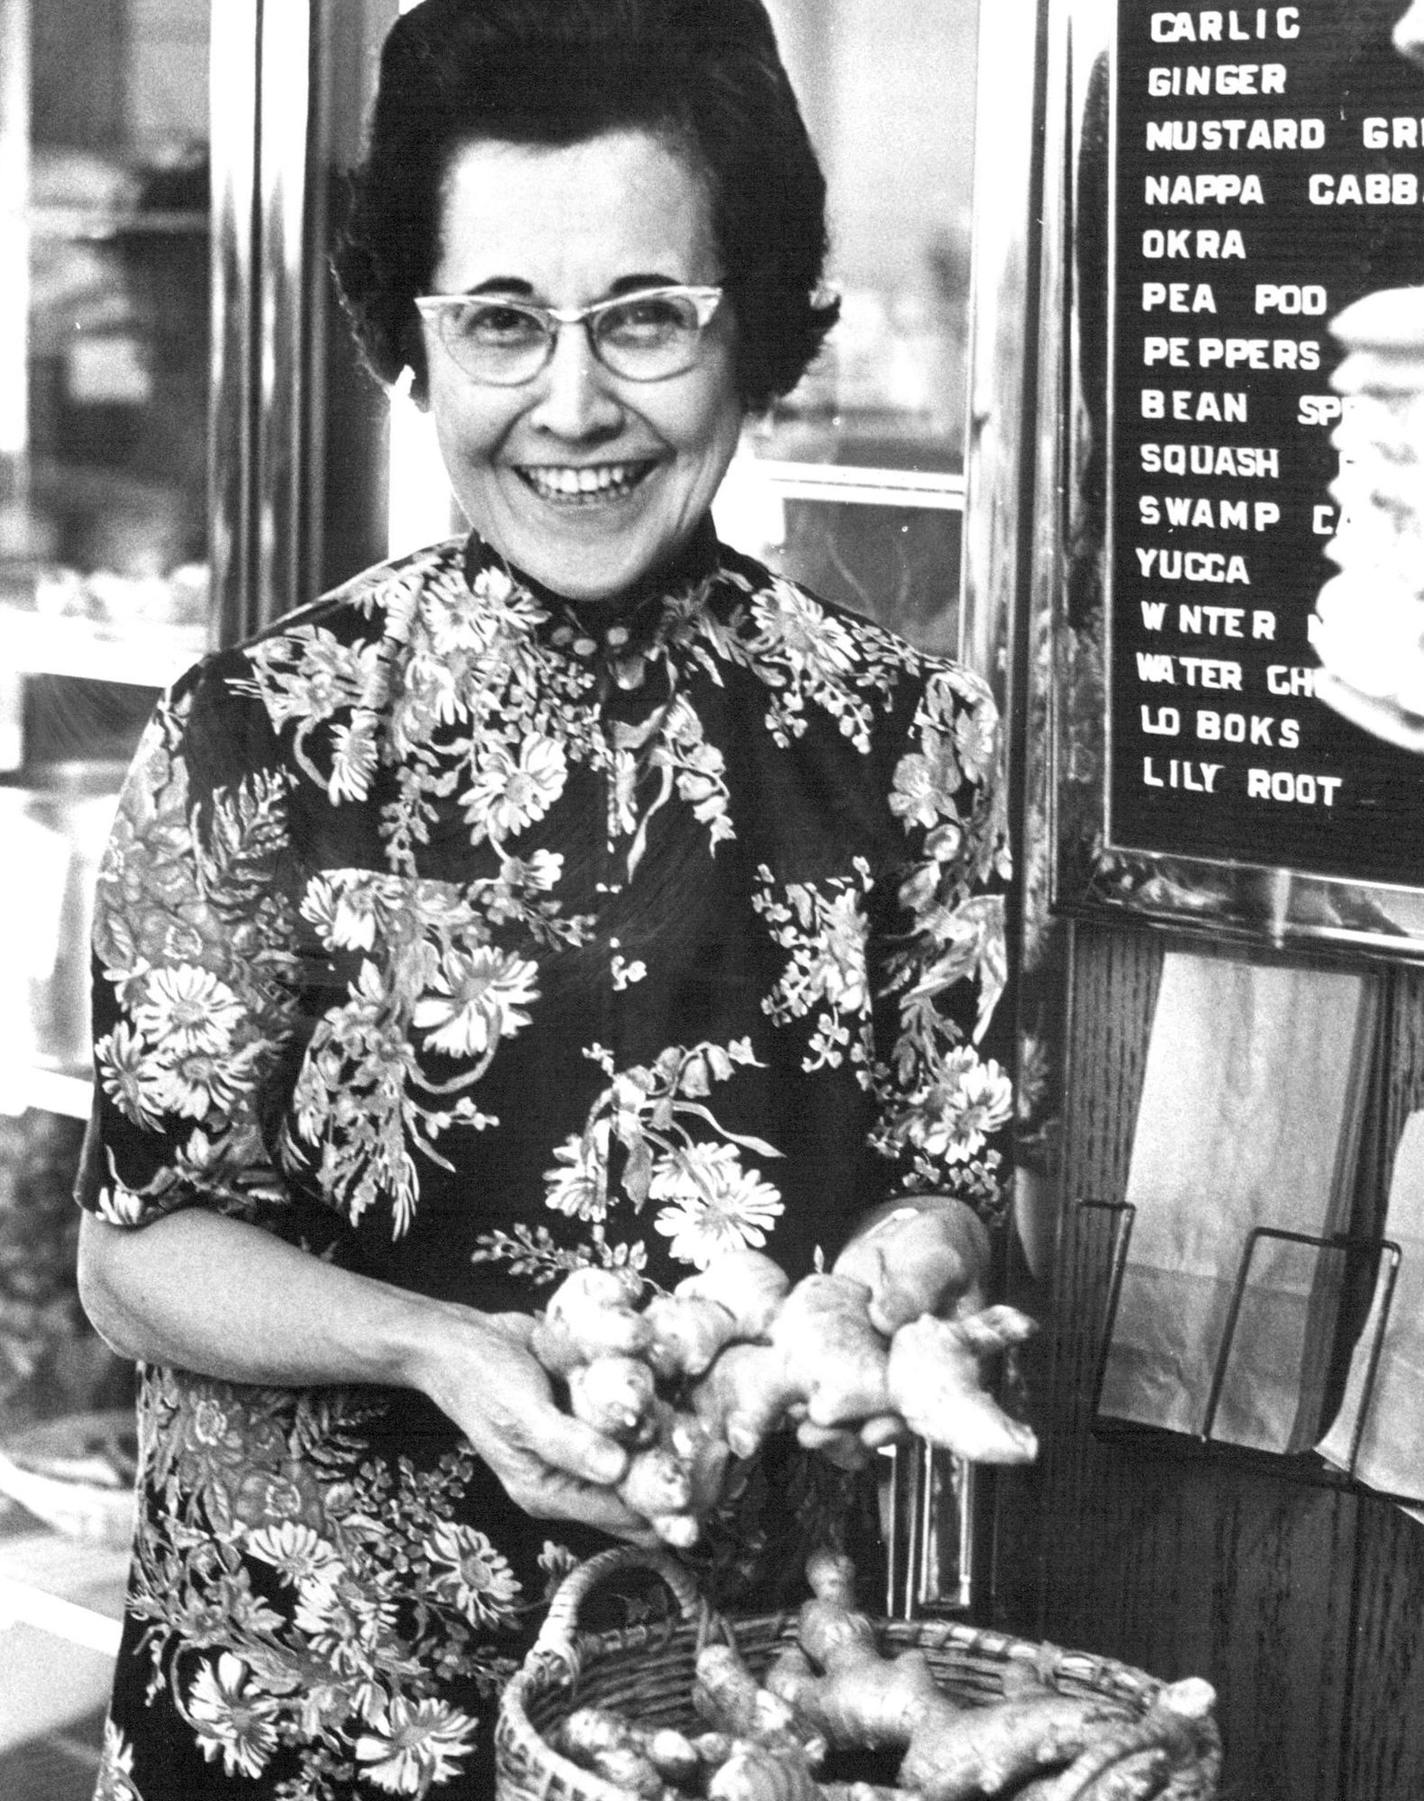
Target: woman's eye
[[496, 325], [655, 317]]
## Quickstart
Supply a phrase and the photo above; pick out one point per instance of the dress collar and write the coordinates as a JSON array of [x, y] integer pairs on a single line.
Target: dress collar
[[619, 633]]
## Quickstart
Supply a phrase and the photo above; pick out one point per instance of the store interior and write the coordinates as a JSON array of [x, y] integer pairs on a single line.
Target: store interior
[[188, 450]]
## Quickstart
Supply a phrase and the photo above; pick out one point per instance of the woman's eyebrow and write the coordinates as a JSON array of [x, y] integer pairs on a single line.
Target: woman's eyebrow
[[514, 285], [501, 284], [630, 284]]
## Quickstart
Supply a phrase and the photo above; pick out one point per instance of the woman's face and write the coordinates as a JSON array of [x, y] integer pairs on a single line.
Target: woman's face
[[585, 480]]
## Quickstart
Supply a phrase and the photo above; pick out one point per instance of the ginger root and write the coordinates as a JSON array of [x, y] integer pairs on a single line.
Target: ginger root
[[687, 1333], [822, 1355], [951, 1753], [747, 1283], [862, 1699], [918, 1256], [753, 1773], [734, 1299], [983, 1750], [737, 1355], [614, 1394], [677, 1478], [826, 1367], [934, 1382], [592, 1313], [1174, 1750], [728, 1696], [644, 1760]]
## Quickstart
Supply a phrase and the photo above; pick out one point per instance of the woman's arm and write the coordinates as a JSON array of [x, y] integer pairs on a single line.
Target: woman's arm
[[228, 1300], [197, 935]]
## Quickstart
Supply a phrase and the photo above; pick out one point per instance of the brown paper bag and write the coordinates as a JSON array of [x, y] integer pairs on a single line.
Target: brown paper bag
[[1249, 1118], [1391, 1439]]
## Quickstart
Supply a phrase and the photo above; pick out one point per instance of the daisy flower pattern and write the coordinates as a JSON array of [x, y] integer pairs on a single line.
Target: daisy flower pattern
[[512, 791], [468, 1573], [234, 1719], [475, 999], [711, 1204], [412, 1747]]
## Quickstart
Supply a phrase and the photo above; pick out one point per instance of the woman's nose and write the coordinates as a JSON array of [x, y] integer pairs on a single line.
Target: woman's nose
[[576, 397]]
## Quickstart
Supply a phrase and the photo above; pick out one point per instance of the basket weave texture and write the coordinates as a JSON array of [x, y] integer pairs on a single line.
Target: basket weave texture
[[647, 1673]]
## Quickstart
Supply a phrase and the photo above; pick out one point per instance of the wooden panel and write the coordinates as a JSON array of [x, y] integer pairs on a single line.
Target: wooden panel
[[1385, 1748], [1177, 1563]]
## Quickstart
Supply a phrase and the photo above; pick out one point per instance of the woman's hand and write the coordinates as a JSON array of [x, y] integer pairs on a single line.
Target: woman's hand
[[202, 1292], [480, 1372], [919, 1254], [916, 1254]]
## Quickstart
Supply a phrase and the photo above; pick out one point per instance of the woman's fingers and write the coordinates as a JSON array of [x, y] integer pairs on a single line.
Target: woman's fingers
[[552, 1466], [545, 1493], [577, 1450]]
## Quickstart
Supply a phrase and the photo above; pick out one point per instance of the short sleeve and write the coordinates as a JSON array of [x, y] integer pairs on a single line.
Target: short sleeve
[[944, 1096], [192, 949]]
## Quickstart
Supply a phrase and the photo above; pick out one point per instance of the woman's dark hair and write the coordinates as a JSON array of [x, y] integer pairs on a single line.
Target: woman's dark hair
[[704, 73]]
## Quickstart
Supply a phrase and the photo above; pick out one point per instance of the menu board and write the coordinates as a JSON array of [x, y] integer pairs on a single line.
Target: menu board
[[1267, 169]]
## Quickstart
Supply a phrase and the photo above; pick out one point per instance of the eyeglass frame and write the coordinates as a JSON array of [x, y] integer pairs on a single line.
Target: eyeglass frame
[[705, 299]]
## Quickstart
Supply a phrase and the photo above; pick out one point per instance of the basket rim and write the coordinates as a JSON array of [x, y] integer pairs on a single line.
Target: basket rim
[[519, 1742]]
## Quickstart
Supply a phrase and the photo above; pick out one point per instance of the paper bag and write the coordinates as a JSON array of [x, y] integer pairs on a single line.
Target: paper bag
[[1249, 1118], [1391, 1444]]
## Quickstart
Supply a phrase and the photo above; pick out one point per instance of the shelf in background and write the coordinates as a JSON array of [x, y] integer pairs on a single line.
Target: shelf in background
[[842, 484], [45, 1090], [144, 656]]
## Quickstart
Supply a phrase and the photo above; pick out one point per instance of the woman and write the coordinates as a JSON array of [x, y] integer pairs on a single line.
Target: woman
[[579, 892]]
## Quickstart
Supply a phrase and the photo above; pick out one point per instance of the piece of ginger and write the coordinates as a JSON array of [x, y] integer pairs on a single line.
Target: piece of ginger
[[614, 1394], [640, 1759], [861, 1700], [951, 1752], [934, 1378], [733, 1300], [675, 1480], [822, 1357], [592, 1313], [918, 1256]]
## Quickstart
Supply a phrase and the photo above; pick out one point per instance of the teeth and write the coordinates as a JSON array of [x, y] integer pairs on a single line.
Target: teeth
[[573, 484]]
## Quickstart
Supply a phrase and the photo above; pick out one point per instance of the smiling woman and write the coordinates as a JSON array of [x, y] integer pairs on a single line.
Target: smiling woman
[[587, 479], [575, 892]]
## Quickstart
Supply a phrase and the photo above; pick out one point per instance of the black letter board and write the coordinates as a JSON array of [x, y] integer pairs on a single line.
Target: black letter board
[[1267, 170]]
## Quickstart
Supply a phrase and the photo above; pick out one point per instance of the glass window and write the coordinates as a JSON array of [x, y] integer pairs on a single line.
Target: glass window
[[104, 347], [104, 380], [888, 95], [854, 484], [104, 400]]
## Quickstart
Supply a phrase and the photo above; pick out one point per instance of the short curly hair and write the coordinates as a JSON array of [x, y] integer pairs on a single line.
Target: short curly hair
[[705, 74]]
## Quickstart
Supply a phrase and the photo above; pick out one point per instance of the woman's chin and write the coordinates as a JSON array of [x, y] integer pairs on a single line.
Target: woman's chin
[[591, 551]]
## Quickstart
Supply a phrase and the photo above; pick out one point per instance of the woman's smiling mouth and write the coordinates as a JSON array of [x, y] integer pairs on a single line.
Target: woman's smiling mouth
[[584, 485]]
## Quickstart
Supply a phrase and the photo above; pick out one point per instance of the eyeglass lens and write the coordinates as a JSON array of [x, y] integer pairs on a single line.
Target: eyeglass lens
[[644, 338]]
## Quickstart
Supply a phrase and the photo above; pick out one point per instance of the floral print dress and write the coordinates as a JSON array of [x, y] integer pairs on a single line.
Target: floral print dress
[[461, 935]]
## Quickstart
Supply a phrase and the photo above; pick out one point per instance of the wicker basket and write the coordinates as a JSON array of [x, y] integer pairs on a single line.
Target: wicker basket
[[647, 1671]]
